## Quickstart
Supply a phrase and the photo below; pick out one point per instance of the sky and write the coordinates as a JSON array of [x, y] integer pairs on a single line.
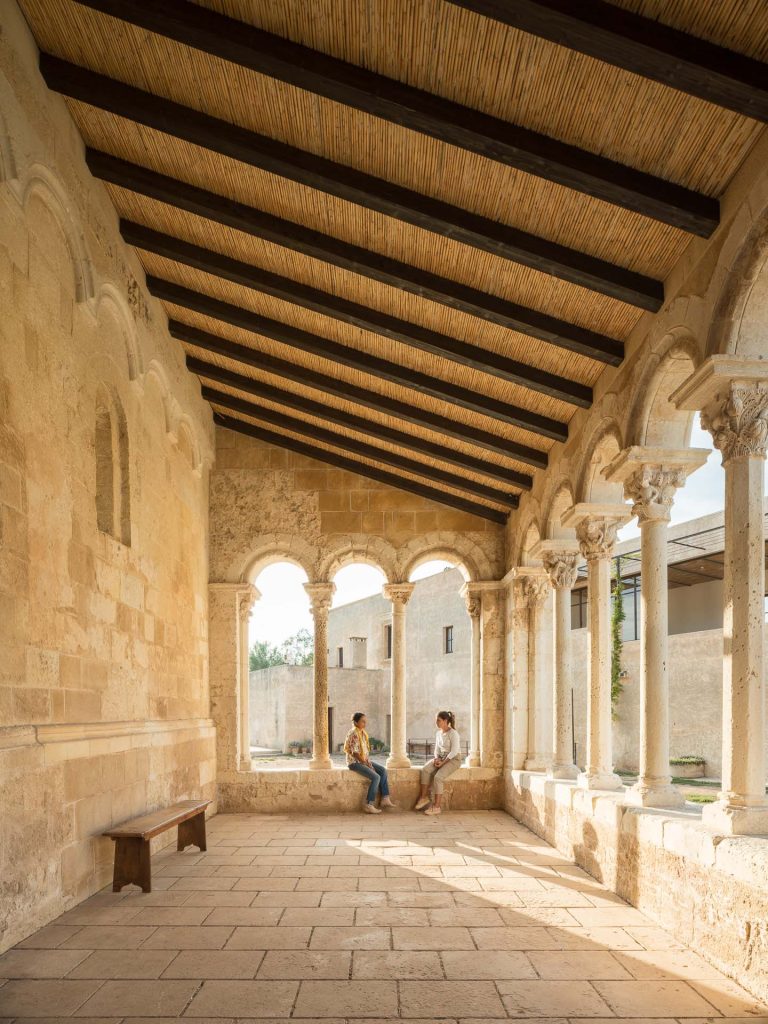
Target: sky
[[284, 606]]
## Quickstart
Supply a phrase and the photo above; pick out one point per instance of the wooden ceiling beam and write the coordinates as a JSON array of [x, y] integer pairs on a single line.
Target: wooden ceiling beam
[[361, 468], [351, 185], [359, 448], [641, 45], [338, 308], [360, 396], [420, 111], [355, 359], [355, 259], [413, 443]]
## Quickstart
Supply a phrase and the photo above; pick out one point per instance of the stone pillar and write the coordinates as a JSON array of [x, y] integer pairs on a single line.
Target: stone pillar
[[399, 594], [733, 397], [492, 613], [518, 708], [536, 591], [650, 477], [245, 607], [320, 596], [561, 562], [228, 661], [473, 600], [596, 526]]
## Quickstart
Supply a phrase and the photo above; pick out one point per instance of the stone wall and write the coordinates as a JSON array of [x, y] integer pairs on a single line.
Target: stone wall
[[104, 444], [710, 891]]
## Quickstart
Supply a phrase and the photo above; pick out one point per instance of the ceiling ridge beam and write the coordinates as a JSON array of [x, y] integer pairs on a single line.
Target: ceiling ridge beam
[[383, 324], [427, 113], [357, 260], [360, 468], [264, 363], [350, 185], [641, 45], [359, 448], [354, 358], [411, 442]]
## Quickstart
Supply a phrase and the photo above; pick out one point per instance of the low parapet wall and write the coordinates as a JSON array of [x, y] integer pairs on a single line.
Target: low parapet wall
[[338, 789], [709, 890]]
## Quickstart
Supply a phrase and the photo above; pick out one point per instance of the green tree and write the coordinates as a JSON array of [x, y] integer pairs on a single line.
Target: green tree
[[264, 655], [296, 650]]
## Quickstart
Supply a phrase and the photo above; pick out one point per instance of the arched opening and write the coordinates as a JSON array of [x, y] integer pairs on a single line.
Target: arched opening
[[112, 484]]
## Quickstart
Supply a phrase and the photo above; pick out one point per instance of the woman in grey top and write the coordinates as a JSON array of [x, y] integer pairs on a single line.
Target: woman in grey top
[[445, 762]]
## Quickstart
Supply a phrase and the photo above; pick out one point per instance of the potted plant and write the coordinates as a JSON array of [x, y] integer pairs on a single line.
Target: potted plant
[[689, 766]]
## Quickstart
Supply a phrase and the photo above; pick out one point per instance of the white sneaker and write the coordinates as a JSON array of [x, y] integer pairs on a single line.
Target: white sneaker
[[371, 809]]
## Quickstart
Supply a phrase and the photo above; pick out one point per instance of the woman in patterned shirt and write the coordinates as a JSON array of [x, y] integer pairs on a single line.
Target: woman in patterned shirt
[[357, 747]]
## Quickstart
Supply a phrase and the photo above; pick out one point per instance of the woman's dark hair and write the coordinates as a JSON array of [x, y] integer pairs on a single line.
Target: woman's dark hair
[[447, 716], [357, 716]]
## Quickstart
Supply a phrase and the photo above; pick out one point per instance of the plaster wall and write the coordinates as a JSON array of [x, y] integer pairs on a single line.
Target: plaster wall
[[103, 634]]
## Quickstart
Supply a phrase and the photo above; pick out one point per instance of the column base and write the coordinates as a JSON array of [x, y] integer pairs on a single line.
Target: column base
[[594, 780], [246, 764], [398, 761], [654, 793], [566, 772], [473, 759], [736, 819], [318, 764], [537, 763]]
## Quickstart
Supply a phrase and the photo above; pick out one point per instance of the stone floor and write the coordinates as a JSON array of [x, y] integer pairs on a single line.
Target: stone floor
[[468, 916]]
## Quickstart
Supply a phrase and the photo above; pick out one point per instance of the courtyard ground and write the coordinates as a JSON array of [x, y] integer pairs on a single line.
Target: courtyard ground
[[469, 916]]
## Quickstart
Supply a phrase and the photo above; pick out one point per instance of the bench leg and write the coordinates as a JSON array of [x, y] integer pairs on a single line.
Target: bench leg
[[192, 833], [132, 864]]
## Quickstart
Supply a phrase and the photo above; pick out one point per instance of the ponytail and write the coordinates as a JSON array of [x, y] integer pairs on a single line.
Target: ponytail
[[447, 716]]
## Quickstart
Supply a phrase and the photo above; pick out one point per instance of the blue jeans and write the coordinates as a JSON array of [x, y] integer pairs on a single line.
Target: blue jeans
[[377, 775]]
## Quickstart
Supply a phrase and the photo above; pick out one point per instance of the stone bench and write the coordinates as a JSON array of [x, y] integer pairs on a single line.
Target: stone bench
[[132, 859]]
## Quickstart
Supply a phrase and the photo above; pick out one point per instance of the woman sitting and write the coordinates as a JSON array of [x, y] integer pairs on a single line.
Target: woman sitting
[[445, 762], [357, 747]]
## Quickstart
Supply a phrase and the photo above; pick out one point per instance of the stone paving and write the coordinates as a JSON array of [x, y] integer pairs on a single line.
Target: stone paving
[[468, 916]]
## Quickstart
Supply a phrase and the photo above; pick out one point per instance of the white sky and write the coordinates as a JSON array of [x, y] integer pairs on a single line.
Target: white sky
[[284, 606]]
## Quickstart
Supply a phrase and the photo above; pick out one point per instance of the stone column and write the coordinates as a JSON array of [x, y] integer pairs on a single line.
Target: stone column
[[473, 600], [227, 658], [561, 564], [246, 604], [596, 526], [650, 477], [399, 594], [519, 680], [320, 596], [492, 613], [733, 397], [535, 593]]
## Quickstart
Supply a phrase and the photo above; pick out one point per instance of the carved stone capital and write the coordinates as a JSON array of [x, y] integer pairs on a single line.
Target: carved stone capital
[[596, 537], [398, 593], [473, 599], [535, 590], [738, 423], [651, 489], [320, 597], [246, 600], [562, 567]]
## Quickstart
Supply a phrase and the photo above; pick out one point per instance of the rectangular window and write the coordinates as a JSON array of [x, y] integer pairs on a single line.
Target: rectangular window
[[579, 608], [340, 661], [448, 639], [630, 596], [388, 641]]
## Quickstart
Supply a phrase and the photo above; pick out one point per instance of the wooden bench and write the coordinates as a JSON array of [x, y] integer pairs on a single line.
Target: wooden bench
[[132, 862]]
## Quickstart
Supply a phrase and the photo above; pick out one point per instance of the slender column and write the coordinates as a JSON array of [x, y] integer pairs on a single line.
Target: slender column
[[739, 426], [399, 594], [492, 676], [247, 601], [561, 565], [320, 596], [536, 591], [520, 743], [473, 601]]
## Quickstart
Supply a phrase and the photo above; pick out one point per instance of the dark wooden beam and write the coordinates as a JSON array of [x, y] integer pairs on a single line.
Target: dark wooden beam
[[411, 442], [351, 185], [353, 258], [361, 468], [352, 393], [641, 45], [327, 304], [355, 359], [420, 111], [353, 447]]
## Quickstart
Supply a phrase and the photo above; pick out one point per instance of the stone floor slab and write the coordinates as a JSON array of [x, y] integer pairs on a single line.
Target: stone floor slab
[[653, 998], [552, 999], [36, 998], [107, 964], [139, 998], [396, 964], [446, 998], [222, 964], [301, 965], [353, 999], [40, 963]]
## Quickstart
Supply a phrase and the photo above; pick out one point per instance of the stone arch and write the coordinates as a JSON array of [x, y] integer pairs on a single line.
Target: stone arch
[[112, 486], [170, 405], [110, 302], [187, 443], [8, 168], [563, 497], [373, 551], [529, 538], [738, 325], [43, 184], [449, 547], [604, 445], [278, 547], [653, 420]]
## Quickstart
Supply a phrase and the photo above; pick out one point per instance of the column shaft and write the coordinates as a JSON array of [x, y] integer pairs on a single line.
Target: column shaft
[[492, 679], [473, 600], [399, 594], [539, 678], [519, 682], [562, 724], [320, 595]]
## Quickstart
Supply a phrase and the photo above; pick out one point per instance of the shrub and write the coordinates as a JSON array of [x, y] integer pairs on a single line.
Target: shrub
[[687, 759]]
